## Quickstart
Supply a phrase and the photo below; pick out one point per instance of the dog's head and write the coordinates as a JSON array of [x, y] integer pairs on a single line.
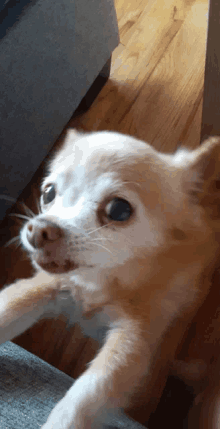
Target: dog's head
[[113, 207]]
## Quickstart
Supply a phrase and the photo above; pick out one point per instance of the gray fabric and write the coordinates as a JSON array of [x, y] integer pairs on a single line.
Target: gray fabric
[[30, 388], [123, 422], [49, 58]]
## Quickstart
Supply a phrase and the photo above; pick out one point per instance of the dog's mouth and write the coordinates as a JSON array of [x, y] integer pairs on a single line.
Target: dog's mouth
[[53, 266]]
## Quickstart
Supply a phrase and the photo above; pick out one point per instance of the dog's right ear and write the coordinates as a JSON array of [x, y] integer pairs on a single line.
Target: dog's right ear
[[202, 177], [72, 135]]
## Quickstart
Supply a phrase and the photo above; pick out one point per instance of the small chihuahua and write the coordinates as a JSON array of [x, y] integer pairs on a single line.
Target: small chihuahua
[[131, 231]]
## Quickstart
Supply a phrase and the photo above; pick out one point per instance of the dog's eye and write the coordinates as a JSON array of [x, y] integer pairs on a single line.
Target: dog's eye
[[49, 194], [118, 209]]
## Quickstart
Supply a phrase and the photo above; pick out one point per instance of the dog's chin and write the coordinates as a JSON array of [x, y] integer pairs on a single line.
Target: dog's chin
[[54, 267]]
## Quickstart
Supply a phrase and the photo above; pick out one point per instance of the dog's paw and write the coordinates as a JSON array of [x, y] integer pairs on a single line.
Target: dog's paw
[[62, 417], [66, 416], [85, 405]]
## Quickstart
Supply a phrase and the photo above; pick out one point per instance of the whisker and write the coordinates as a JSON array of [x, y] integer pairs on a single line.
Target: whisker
[[97, 229], [5, 197], [38, 206], [18, 245], [101, 238], [96, 239], [96, 244], [13, 240], [19, 216], [27, 210], [14, 200], [105, 238]]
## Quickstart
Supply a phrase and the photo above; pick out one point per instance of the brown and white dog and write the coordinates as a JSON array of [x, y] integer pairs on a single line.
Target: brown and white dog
[[136, 233]]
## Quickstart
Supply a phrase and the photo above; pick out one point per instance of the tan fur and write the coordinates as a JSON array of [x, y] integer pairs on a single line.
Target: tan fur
[[29, 293], [150, 288]]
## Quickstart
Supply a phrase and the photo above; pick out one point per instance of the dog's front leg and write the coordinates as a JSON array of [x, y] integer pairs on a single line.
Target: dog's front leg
[[24, 302], [108, 384]]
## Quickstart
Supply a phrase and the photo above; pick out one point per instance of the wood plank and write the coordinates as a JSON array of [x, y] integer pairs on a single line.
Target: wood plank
[[157, 78], [134, 60], [173, 90], [190, 136]]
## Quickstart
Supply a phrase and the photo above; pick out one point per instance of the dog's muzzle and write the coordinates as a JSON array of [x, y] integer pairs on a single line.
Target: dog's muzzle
[[47, 240]]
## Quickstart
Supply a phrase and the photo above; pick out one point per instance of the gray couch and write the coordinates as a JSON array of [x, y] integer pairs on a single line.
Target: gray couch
[[30, 388], [50, 54]]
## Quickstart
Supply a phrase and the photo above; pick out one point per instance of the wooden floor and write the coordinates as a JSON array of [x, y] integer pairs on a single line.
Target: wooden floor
[[155, 93], [157, 76]]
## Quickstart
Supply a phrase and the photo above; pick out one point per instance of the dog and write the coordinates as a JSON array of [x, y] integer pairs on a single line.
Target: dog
[[132, 232]]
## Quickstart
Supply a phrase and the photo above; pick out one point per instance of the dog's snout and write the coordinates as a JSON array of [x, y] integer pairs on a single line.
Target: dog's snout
[[41, 232]]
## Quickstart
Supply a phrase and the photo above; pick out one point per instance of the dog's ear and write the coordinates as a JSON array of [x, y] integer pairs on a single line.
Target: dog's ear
[[72, 135], [70, 138], [203, 176]]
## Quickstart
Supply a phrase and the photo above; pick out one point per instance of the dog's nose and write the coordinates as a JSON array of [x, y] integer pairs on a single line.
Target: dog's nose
[[42, 232]]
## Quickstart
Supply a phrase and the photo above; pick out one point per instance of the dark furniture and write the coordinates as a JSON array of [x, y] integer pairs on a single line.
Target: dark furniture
[[211, 101], [51, 52]]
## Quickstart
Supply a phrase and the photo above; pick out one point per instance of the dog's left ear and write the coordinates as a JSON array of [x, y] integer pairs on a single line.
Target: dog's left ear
[[203, 176]]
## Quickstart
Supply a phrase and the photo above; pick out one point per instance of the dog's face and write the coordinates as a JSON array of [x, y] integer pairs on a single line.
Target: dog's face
[[114, 208]]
